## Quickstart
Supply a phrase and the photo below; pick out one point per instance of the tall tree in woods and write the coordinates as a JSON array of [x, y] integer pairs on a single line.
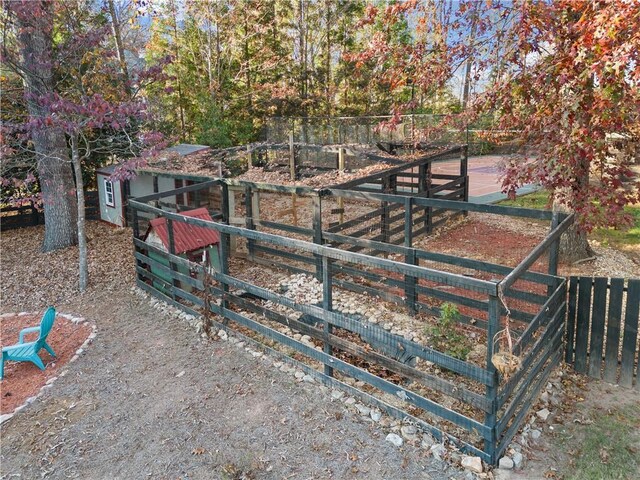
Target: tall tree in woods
[[565, 73], [28, 49], [91, 104]]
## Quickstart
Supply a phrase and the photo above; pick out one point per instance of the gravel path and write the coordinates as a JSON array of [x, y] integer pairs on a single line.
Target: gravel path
[[126, 409]]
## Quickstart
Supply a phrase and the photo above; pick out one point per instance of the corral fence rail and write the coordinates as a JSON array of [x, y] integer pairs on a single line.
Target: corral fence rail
[[487, 410]]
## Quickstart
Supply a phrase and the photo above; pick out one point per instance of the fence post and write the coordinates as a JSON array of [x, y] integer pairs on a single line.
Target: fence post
[[490, 419], [389, 185], [410, 257], [554, 249], [424, 187], [292, 158], [35, 217], [172, 251], [317, 232], [327, 305], [464, 172], [248, 205]]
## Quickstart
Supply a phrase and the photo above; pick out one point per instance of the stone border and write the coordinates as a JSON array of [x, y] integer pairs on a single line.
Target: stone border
[[398, 431], [63, 372]]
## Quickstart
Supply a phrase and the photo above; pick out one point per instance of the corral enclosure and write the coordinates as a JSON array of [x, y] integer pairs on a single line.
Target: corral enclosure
[[339, 280]]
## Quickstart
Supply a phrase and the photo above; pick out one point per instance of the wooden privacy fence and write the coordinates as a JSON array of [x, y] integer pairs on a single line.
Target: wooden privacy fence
[[602, 328], [483, 411]]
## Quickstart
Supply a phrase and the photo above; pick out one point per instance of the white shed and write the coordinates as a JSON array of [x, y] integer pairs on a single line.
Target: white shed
[[113, 194]]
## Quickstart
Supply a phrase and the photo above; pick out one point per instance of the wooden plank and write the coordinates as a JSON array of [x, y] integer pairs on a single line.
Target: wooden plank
[[395, 412], [284, 227], [176, 291], [284, 254], [611, 354], [178, 191], [571, 321], [582, 324], [630, 339], [600, 288], [395, 170]]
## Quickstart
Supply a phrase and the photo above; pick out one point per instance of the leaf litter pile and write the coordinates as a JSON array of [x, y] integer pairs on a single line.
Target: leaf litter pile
[[33, 279]]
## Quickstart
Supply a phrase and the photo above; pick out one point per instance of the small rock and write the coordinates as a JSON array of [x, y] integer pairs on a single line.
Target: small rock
[[222, 334], [427, 441], [308, 379], [337, 394], [5, 417], [51, 380], [505, 463], [350, 401], [375, 415], [518, 460], [394, 439], [473, 464], [535, 434], [409, 432], [543, 414], [79, 351], [438, 450], [545, 397], [299, 374], [256, 354], [363, 409], [180, 374], [277, 364]]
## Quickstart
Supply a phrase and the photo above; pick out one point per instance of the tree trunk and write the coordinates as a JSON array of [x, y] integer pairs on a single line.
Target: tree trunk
[[117, 36], [573, 243], [52, 154], [82, 236]]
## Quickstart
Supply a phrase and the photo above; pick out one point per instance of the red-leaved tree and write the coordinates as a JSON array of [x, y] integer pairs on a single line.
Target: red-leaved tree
[[86, 108], [565, 73]]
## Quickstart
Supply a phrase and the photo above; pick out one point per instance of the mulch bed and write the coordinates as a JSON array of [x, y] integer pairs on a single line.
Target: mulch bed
[[24, 379]]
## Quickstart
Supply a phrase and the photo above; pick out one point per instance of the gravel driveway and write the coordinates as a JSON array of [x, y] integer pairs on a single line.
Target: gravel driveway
[[126, 409]]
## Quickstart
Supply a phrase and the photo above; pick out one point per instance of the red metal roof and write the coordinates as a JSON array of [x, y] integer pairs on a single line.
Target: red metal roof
[[186, 237]]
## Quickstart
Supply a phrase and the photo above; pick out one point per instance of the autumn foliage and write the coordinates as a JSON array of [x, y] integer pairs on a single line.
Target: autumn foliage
[[564, 73]]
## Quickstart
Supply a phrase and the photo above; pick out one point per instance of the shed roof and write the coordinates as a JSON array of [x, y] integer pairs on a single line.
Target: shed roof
[[186, 237], [185, 149]]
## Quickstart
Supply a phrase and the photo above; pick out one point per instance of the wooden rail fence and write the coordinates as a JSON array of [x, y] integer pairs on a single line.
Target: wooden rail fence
[[602, 328], [494, 407]]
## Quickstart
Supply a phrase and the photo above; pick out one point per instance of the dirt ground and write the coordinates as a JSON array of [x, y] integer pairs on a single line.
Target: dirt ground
[[126, 410], [594, 434]]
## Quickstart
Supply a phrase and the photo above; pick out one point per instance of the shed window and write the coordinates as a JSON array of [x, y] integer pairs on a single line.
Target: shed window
[[108, 190]]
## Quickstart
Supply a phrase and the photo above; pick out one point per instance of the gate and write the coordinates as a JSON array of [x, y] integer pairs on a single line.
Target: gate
[[602, 328]]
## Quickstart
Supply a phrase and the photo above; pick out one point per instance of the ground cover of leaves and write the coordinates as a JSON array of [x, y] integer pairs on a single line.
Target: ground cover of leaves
[[150, 399]]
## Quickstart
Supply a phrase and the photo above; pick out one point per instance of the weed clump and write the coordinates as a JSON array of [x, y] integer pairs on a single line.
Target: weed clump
[[444, 336]]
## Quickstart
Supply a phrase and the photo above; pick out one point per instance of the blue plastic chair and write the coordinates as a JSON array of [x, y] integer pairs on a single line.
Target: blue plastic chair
[[28, 352]]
